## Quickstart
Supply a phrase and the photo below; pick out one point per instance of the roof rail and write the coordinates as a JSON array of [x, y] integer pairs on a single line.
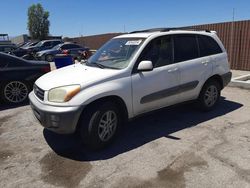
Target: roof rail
[[170, 29], [194, 29], [151, 30]]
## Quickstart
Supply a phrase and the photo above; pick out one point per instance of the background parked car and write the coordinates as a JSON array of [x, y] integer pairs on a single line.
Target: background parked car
[[64, 48], [7, 48], [29, 44], [22, 49], [30, 50], [17, 77]]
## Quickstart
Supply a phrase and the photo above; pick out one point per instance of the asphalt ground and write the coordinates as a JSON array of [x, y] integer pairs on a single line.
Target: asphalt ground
[[174, 147]]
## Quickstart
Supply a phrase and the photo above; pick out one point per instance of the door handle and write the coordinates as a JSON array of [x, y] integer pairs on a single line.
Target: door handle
[[205, 63], [173, 70]]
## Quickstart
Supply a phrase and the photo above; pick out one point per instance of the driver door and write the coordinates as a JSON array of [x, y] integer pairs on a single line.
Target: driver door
[[157, 88]]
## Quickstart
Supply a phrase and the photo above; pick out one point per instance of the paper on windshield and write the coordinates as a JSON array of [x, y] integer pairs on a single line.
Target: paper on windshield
[[133, 42]]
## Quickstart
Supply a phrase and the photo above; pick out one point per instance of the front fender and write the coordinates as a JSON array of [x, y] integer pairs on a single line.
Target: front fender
[[120, 88]]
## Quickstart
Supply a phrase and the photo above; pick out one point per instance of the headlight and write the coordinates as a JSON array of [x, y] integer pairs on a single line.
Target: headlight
[[63, 94]]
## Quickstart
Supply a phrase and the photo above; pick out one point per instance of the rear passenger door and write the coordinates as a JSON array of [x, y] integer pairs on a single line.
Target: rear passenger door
[[209, 47], [194, 69]]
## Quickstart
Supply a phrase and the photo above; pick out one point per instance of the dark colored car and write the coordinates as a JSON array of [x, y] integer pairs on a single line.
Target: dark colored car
[[64, 48], [29, 44], [7, 48], [22, 49], [42, 45], [17, 77]]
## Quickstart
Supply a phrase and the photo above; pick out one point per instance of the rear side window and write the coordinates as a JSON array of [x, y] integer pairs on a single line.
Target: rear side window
[[208, 46], [185, 48], [70, 46], [47, 44], [53, 43]]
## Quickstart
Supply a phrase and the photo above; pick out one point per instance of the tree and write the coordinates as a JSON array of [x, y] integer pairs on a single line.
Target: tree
[[38, 23]]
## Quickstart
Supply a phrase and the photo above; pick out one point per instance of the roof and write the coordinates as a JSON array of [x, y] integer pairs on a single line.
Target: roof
[[148, 33]]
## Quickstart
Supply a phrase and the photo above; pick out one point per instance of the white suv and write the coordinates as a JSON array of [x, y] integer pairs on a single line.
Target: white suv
[[130, 75]]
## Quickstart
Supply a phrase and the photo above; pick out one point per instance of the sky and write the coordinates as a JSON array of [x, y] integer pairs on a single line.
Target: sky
[[73, 18]]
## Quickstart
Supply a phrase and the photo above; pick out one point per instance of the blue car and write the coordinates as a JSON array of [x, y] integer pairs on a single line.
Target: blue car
[[64, 48]]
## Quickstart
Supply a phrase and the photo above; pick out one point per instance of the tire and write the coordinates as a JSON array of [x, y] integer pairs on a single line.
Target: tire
[[49, 58], [96, 129], [15, 92], [209, 95]]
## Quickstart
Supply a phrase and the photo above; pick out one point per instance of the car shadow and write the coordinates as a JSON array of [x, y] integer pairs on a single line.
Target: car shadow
[[140, 131], [5, 106]]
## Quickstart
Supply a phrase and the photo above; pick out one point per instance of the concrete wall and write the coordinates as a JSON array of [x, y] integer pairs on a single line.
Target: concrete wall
[[95, 41]]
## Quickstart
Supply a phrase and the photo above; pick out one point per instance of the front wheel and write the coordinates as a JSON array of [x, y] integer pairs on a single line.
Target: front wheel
[[209, 96], [99, 125]]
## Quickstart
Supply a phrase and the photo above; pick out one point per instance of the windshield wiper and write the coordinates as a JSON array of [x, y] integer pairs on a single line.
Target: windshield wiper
[[100, 65], [97, 64]]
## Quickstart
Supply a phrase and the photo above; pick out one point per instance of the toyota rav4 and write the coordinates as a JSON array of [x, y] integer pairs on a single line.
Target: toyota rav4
[[128, 76]]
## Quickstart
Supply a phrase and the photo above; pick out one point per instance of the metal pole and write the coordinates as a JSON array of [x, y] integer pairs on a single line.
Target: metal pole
[[232, 39]]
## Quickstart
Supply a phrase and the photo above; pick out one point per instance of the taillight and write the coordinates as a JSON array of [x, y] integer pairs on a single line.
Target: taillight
[[46, 69], [65, 52]]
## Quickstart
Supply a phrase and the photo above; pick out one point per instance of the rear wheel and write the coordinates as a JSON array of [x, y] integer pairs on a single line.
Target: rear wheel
[[49, 58], [210, 95], [15, 92], [99, 125]]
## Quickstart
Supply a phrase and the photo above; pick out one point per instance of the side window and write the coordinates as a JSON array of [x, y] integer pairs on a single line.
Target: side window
[[47, 44], [208, 46], [159, 51], [54, 43], [72, 46], [64, 47], [185, 47]]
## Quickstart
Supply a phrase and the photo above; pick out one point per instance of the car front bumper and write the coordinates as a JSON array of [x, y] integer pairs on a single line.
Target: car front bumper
[[62, 120]]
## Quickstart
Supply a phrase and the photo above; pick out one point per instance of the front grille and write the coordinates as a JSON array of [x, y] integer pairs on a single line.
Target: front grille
[[38, 92]]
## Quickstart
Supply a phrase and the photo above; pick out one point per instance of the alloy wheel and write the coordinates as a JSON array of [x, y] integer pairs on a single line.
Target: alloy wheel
[[16, 92], [211, 95], [107, 125]]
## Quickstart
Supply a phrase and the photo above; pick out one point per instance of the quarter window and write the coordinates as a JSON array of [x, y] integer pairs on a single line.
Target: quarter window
[[208, 46], [185, 47]]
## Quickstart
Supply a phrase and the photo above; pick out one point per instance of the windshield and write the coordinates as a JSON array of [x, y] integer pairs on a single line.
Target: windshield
[[39, 44], [116, 53]]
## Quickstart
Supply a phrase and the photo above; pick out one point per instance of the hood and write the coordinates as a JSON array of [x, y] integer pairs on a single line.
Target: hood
[[74, 74]]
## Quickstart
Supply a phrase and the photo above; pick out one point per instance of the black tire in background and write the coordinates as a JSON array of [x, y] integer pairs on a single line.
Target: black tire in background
[[49, 58], [99, 125], [209, 95]]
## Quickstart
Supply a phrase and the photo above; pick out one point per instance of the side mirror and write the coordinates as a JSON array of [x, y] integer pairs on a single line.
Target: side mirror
[[145, 66]]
